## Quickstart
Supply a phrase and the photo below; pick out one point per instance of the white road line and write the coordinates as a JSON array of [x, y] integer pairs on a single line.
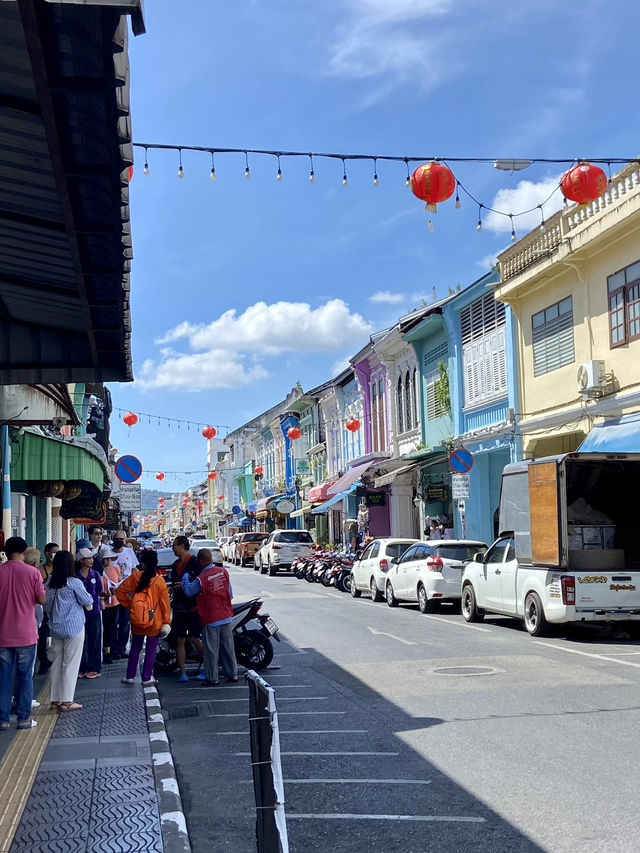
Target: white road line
[[306, 732], [355, 781], [587, 654], [407, 817], [325, 753], [459, 624], [620, 654], [376, 633], [280, 698]]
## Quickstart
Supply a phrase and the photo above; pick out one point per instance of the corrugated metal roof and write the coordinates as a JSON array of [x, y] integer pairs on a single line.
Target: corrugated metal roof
[[65, 149]]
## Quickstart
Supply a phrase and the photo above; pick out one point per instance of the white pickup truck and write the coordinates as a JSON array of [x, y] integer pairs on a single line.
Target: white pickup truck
[[569, 547]]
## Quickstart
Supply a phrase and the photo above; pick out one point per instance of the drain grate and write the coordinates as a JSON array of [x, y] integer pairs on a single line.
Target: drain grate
[[183, 712], [466, 670]]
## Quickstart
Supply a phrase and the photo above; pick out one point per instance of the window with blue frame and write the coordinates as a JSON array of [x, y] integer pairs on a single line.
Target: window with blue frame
[[553, 344]]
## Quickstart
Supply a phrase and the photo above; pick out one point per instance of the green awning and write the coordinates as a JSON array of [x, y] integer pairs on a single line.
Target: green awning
[[36, 457]]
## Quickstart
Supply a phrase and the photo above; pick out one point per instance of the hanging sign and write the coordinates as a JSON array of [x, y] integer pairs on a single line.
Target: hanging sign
[[284, 506], [437, 495], [130, 497], [128, 469], [460, 461], [460, 487]]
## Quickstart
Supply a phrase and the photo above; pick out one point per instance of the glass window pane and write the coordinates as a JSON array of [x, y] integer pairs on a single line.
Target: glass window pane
[[615, 281], [633, 272], [551, 313], [566, 306], [538, 319]]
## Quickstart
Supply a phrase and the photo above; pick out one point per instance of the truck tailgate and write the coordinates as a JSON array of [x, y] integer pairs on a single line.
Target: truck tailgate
[[607, 590]]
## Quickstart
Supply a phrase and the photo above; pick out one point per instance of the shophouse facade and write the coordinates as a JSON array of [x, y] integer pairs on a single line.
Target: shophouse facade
[[574, 290]]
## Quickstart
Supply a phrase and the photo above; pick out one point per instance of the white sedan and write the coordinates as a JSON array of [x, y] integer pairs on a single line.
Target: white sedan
[[430, 572], [369, 573]]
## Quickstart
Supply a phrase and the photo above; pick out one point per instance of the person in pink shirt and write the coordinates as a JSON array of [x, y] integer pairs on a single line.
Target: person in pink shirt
[[21, 589]]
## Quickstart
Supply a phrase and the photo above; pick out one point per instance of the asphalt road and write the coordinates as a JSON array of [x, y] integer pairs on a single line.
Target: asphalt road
[[408, 733]]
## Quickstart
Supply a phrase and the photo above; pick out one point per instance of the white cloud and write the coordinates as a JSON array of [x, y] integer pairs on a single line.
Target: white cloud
[[197, 372], [340, 365], [488, 261], [277, 328], [388, 298], [380, 38], [526, 195]]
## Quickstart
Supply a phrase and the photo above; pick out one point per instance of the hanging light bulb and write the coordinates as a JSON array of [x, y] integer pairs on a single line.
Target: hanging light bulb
[[312, 177], [431, 226], [279, 176], [147, 171], [458, 203], [247, 173], [479, 225], [407, 182], [345, 180], [212, 173], [180, 172], [513, 230], [543, 227], [376, 181]]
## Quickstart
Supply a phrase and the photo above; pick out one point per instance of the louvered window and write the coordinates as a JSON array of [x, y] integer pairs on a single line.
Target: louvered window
[[408, 404], [434, 409], [400, 401], [553, 345], [484, 350]]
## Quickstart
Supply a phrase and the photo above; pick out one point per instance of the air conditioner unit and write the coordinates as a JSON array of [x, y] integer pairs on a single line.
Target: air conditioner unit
[[592, 379]]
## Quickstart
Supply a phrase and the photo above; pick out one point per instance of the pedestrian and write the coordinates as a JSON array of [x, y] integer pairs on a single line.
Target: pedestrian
[[21, 589], [127, 562], [95, 538], [146, 597], [111, 577], [185, 622], [50, 549], [67, 600], [32, 557], [214, 594], [91, 662]]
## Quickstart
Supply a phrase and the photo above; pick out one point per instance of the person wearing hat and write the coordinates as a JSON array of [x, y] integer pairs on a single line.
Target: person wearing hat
[[127, 562], [111, 577], [91, 661]]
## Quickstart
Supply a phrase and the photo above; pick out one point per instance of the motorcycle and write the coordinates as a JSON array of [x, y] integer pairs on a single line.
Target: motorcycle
[[253, 646]]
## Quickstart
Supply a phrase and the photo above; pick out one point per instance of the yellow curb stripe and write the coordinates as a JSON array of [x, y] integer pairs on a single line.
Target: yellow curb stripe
[[19, 768]]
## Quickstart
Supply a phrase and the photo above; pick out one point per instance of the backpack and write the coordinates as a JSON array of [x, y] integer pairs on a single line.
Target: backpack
[[145, 618]]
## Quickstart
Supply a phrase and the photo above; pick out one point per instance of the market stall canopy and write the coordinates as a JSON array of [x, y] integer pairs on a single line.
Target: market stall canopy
[[353, 475], [621, 435], [65, 155], [319, 494], [385, 479], [326, 506]]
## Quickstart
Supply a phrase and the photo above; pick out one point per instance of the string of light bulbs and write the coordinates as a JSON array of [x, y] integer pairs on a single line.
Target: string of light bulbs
[[170, 421], [506, 165]]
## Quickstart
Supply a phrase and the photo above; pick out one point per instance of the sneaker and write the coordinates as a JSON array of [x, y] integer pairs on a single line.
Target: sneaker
[[28, 724], [151, 683], [35, 703], [183, 678], [127, 681], [200, 677]]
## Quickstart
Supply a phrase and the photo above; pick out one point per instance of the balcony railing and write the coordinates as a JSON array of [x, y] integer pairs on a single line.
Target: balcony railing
[[538, 245]]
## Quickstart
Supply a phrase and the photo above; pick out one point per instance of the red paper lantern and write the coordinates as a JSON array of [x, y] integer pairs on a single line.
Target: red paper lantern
[[584, 183], [433, 183], [130, 419], [220, 497], [209, 432], [294, 433], [259, 471], [213, 475], [130, 173], [160, 476], [353, 425]]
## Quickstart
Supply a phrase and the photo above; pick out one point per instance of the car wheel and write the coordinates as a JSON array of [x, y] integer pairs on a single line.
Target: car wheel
[[534, 619], [392, 601], [376, 595], [272, 570], [353, 589], [263, 567], [256, 565], [470, 610]]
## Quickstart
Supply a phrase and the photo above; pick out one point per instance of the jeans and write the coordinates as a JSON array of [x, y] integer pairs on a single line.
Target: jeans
[[92, 650], [109, 620], [121, 637], [22, 658], [149, 656], [219, 640], [43, 634]]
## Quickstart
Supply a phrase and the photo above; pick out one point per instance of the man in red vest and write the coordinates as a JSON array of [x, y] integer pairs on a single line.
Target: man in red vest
[[213, 588]]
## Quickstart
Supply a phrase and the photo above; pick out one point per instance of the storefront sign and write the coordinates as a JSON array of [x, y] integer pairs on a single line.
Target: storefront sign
[[130, 497], [376, 498], [303, 468], [437, 495], [460, 487], [284, 506]]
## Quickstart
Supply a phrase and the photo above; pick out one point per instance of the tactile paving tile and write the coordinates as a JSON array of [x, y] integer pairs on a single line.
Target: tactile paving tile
[[56, 845], [122, 819], [137, 776], [149, 842], [119, 718], [85, 723], [144, 797], [64, 806], [42, 832]]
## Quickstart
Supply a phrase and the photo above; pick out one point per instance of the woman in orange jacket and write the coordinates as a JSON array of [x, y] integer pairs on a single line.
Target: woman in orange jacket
[[146, 597]]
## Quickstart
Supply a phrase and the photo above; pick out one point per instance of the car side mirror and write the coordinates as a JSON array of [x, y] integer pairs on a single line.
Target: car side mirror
[[478, 557], [395, 560], [264, 541]]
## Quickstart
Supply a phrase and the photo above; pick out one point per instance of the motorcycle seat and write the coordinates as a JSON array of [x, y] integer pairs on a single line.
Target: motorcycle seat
[[244, 605]]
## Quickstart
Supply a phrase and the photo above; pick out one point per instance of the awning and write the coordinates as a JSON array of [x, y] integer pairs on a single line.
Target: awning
[[265, 504], [621, 435], [252, 506], [326, 506], [390, 477], [304, 510], [36, 457], [347, 480], [319, 494]]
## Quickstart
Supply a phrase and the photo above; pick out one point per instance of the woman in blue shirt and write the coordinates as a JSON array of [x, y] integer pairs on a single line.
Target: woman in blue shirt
[[91, 663]]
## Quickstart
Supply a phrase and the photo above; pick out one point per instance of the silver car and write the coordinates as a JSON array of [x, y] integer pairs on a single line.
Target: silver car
[[369, 573]]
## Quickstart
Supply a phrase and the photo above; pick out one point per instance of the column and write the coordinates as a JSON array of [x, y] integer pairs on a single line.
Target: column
[[401, 508]]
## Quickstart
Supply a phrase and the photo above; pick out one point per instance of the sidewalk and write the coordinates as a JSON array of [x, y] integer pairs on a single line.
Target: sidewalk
[[95, 787]]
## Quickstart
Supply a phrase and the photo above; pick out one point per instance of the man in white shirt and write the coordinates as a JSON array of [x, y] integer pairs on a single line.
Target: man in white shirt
[[127, 562]]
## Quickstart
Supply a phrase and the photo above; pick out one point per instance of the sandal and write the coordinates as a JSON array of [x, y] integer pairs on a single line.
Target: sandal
[[29, 724], [55, 706], [71, 706], [151, 683]]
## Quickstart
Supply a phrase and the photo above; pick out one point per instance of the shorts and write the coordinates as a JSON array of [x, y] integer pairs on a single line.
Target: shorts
[[184, 624]]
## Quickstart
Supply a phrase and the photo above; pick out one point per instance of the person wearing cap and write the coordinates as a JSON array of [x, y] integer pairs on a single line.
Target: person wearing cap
[[111, 577], [91, 661], [127, 562]]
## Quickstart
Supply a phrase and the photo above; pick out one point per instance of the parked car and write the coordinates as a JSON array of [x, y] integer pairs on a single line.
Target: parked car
[[246, 547], [282, 547], [260, 557], [229, 550], [369, 573], [222, 541], [204, 543], [430, 572]]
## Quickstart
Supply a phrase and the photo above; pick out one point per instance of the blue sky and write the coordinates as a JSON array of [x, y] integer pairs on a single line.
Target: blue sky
[[230, 279]]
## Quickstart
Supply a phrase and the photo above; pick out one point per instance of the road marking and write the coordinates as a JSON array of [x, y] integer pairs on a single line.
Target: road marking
[[621, 654], [280, 698], [355, 781], [407, 817], [306, 732], [587, 654], [376, 633], [325, 753], [281, 714], [459, 624]]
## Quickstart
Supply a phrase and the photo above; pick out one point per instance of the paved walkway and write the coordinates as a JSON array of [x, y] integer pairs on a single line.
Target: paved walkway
[[94, 789]]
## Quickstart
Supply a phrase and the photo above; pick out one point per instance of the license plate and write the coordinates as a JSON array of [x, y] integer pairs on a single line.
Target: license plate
[[271, 626]]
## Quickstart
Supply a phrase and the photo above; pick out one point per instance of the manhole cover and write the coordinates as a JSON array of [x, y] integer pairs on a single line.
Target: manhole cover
[[467, 670], [184, 712]]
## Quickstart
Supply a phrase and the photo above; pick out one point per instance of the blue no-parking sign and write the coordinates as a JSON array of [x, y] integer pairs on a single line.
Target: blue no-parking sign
[[460, 461], [128, 469]]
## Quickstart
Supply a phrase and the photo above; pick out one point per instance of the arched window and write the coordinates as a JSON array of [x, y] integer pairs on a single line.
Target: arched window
[[415, 396], [408, 407], [400, 407]]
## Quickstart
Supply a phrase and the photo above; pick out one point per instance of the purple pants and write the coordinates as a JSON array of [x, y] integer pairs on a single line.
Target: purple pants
[[149, 656]]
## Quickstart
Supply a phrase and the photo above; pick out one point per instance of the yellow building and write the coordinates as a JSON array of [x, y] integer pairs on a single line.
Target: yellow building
[[575, 291]]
